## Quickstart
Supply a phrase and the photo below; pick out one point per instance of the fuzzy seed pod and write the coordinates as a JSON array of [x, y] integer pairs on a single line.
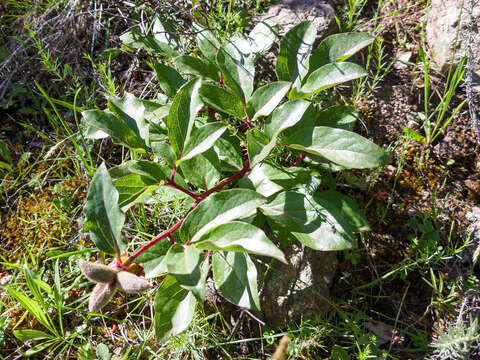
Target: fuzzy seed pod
[[130, 283], [100, 296], [97, 272]]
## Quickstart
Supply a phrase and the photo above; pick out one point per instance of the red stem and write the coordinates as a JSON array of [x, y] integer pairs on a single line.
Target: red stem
[[300, 159], [182, 189], [168, 233]]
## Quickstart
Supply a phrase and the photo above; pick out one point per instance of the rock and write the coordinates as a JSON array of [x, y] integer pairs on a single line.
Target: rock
[[403, 60], [289, 292], [289, 13], [299, 289], [443, 20]]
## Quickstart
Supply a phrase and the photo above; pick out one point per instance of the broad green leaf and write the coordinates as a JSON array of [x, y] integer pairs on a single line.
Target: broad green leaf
[[102, 352], [239, 236], [338, 47], [265, 99], [217, 209], [145, 168], [343, 147], [229, 152], [203, 170], [262, 36], [185, 107], [115, 127], [235, 60], [31, 334], [155, 111], [134, 39], [222, 100], [235, 275], [135, 180], [324, 221], [196, 66], [288, 115], [104, 219], [207, 43], [185, 264], [132, 111], [164, 151], [153, 259], [326, 77], [32, 307], [258, 146], [267, 179], [202, 140], [174, 309], [295, 49], [164, 32], [168, 78], [338, 116]]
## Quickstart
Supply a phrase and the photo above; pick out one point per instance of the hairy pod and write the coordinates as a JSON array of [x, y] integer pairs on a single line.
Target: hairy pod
[[100, 296], [97, 272], [130, 283]]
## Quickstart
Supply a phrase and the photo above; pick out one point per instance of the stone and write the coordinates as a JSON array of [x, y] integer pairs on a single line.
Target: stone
[[289, 13], [443, 21], [298, 289]]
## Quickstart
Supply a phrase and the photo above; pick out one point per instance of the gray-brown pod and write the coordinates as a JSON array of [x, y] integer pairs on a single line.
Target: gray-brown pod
[[131, 283], [97, 272], [100, 296]]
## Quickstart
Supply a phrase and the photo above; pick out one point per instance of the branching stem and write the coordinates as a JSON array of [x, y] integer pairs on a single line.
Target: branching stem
[[198, 198]]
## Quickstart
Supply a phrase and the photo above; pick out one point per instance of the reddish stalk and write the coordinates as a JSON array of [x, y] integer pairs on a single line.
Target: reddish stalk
[[300, 159], [168, 233]]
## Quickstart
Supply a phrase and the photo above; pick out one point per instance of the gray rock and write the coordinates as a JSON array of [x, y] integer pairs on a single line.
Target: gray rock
[[289, 13], [443, 21], [299, 289]]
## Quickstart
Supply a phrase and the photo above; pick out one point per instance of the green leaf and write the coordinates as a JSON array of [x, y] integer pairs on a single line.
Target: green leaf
[[217, 209], [266, 98], [30, 334], [104, 219], [197, 67], [235, 275], [120, 132], [39, 347], [262, 36], [132, 111], [164, 32], [338, 116], [203, 170], [135, 180], [222, 100], [235, 60], [239, 236], [32, 307], [295, 49], [185, 264], [134, 39], [185, 107], [102, 352], [338, 47], [267, 179], [153, 259], [288, 115], [207, 43], [164, 151], [174, 309], [168, 78], [412, 134], [229, 152], [325, 221], [343, 147], [328, 76], [258, 146], [202, 140]]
